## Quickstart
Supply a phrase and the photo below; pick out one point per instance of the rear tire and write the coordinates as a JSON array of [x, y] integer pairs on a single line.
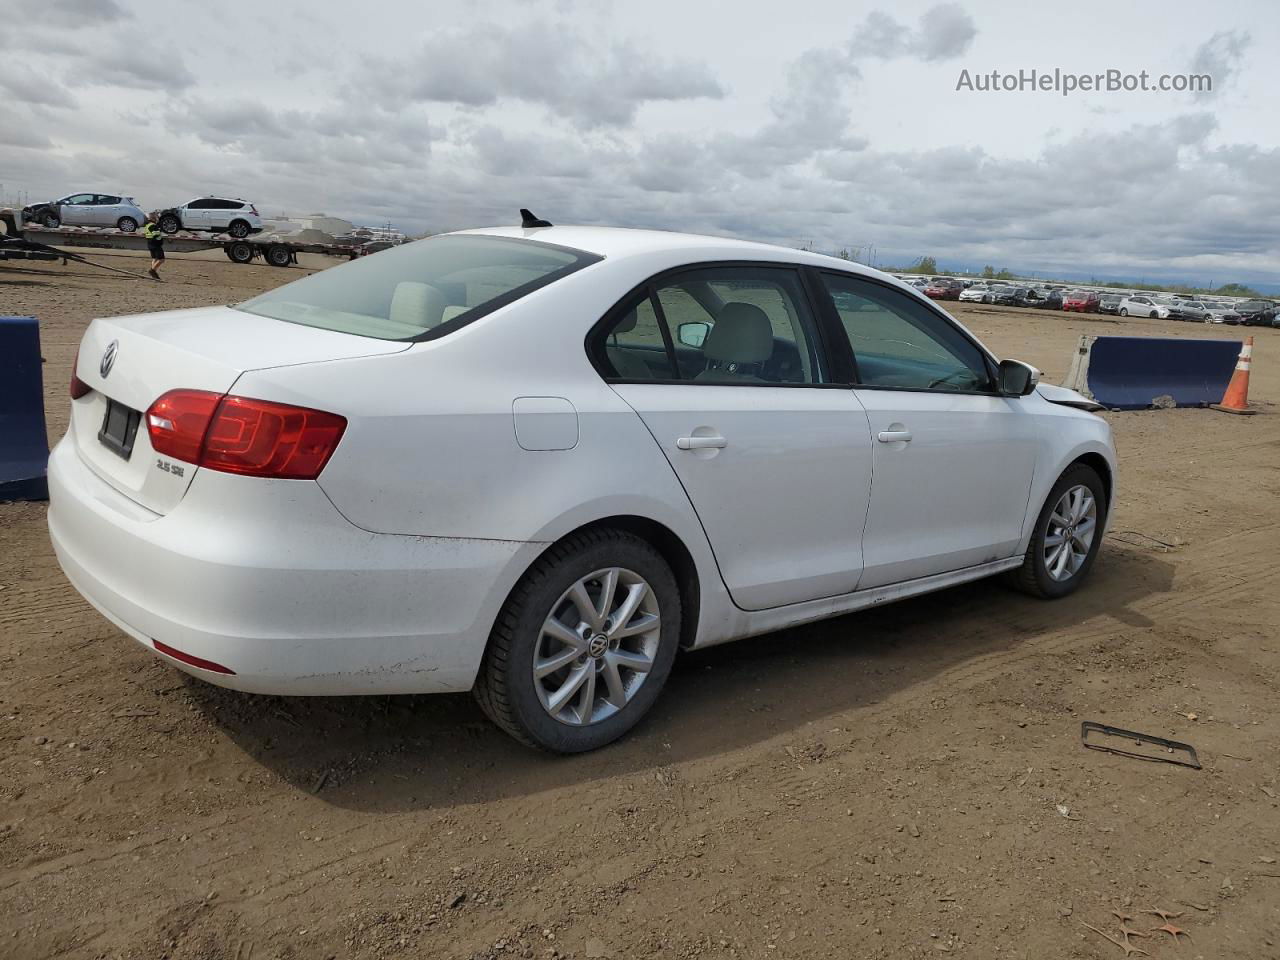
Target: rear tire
[[239, 252], [1035, 576], [521, 703], [126, 224], [279, 255], [239, 229]]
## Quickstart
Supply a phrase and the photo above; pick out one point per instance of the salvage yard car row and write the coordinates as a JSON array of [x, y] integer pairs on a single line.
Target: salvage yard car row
[[1254, 312]]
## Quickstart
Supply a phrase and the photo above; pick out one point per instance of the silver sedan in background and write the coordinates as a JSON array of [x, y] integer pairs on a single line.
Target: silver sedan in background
[[88, 210]]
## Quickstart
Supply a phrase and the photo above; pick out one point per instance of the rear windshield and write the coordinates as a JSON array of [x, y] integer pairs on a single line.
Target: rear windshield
[[422, 290]]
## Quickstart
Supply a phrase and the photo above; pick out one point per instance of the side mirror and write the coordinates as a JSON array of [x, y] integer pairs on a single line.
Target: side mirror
[[1017, 379], [693, 334]]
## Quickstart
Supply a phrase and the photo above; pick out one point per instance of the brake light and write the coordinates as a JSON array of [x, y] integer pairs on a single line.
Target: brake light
[[242, 435], [78, 387], [178, 421]]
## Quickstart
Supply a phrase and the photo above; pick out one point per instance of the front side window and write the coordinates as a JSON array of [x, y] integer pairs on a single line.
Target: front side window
[[899, 342], [80, 199], [420, 290]]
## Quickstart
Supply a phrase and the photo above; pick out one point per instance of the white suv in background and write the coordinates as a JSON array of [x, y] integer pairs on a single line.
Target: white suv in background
[[217, 214]]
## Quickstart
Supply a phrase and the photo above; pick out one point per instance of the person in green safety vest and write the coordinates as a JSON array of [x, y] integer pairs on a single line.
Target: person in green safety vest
[[155, 244]]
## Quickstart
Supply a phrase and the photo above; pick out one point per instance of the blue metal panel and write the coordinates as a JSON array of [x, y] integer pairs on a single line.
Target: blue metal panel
[[24, 449], [1127, 373]]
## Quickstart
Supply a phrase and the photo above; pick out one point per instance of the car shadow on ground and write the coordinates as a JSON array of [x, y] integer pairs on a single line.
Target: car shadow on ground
[[397, 753]]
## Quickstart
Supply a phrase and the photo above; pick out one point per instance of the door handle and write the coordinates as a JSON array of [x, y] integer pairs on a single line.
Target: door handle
[[701, 443], [890, 436]]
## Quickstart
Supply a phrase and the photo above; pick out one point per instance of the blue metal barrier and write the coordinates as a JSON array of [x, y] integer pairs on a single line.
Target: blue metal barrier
[[1128, 373], [24, 448]]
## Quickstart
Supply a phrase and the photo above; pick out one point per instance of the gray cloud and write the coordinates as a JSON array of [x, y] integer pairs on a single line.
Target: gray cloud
[[67, 14], [811, 115], [944, 31], [1219, 57], [574, 77], [132, 62], [19, 85]]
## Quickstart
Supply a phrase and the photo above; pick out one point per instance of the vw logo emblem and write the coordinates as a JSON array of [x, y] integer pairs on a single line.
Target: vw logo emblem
[[108, 358]]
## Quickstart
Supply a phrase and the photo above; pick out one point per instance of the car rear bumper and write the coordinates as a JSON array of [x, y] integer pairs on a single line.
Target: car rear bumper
[[268, 580]]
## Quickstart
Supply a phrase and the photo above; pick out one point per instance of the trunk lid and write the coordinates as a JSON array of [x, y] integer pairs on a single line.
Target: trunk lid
[[206, 348]]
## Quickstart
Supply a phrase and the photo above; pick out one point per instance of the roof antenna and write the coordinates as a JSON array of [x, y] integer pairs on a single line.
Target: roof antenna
[[529, 221]]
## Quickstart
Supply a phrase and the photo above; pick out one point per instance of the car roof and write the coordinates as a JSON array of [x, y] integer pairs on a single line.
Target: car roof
[[620, 242]]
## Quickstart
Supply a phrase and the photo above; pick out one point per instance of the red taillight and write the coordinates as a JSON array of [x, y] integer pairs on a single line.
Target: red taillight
[[178, 421], [78, 387], [241, 435]]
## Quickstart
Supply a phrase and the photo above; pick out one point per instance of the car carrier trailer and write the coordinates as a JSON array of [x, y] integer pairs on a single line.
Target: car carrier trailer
[[276, 250]]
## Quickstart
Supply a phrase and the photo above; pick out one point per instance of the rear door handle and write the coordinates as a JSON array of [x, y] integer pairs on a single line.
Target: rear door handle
[[890, 436], [701, 443]]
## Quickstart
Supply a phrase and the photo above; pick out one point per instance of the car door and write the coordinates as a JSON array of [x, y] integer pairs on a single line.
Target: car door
[[218, 216], [78, 210], [952, 460], [725, 364], [195, 215], [106, 210]]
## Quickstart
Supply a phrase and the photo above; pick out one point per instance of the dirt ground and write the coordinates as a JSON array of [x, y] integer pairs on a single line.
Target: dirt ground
[[903, 782]]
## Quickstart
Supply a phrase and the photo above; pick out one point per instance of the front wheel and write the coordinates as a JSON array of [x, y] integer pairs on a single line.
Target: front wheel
[[169, 223], [1153, 315], [51, 221], [1124, 312], [1067, 536], [583, 646]]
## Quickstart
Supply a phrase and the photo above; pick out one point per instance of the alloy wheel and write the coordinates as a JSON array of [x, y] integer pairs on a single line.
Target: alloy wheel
[[597, 646], [1069, 535]]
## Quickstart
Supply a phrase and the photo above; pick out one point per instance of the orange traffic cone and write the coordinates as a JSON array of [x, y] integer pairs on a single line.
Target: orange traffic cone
[[1236, 399]]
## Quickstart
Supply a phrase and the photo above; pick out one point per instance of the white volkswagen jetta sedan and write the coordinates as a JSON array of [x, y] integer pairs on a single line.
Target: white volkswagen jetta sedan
[[537, 462]]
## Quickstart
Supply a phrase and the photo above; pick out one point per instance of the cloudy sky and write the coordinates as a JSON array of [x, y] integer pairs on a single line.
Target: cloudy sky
[[831, 123]]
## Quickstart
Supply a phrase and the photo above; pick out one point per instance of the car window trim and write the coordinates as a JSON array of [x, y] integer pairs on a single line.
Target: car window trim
[[594, 341], [992, 365]]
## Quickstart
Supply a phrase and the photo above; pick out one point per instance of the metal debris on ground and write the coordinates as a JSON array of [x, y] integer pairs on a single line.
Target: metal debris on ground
[[1092, 736], [1124, 944]]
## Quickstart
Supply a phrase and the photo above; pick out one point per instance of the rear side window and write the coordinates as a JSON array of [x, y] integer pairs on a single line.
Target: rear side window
[[420, 290]]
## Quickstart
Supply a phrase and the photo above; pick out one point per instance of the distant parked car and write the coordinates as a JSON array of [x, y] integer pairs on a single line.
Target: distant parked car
[[944, 290], [1141, 306], [214, 214], [87, 210], [1109, 303], [1080, 301], [1042, 299], [1007, 296], [978, 293], [1219, 312], [1257, 313], [1192, 310]]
